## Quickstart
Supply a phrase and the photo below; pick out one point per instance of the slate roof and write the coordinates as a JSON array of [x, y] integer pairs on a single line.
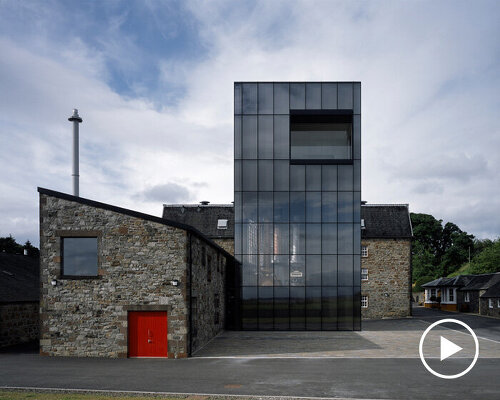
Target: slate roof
[[386, 221], [493, 291], [203, 217], [19, 278], [456, 281], [482, 282]]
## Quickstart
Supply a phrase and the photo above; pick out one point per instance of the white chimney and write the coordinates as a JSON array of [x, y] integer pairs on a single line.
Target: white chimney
[[75, 118]]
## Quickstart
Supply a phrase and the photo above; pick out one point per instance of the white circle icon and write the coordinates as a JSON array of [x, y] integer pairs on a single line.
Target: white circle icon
[[448, 348]]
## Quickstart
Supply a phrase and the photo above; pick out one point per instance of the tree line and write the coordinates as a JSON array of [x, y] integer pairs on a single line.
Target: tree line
[[8, 244]]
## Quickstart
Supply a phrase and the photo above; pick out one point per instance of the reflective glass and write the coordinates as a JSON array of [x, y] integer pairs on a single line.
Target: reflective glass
[[329, 270], [281, 239], [249, 175], [249, 206], [249, 137], [297, 206], [237, 175], [329, 308], [297, 308], [249, 270], [329, 96], [249, 98], [249, 308], [281, 308], [237, 239], [345, 308], [313, 177], [281, 136], [280, 175], [356, 305], [265, 175], [265, 129], [345, 270], [297, 270], [266, 272], [249, 243], [356, 127], [297, 177], [297, 238], [313, 308], [345, 239], [281, 271], [357, 207], [313, 238], [265, 239], [357, 98], [345, 200], [79, 256], [357, 238], [265, 98], [357, 175], [329, 177], [357, 270], [265, 206], [313, 206], [297, 96], [266, 309], [345, 96], [329, 238], [237, 98], [313, 270], [329, 206], [345, 177], [237, 137], [237, 207], [313, 96], [281, 102], [281, 206]]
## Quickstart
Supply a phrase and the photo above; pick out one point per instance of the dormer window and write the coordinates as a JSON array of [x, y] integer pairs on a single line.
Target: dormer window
[[222, 224]]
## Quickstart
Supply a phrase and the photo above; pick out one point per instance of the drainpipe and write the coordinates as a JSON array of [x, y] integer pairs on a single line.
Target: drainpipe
[[75, 118]]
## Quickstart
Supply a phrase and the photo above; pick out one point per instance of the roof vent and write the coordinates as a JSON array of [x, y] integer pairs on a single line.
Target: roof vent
[[363, 226], [204, 203], [222, 224]]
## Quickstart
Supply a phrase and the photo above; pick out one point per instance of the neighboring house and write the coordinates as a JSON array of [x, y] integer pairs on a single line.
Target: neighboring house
[[118, 283], [471, 295], [386, 236], [385, 254], [19, 299], [443, 292], [490, 301]]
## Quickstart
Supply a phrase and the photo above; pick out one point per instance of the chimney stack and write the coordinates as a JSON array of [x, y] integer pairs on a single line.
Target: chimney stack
[[75, 118]]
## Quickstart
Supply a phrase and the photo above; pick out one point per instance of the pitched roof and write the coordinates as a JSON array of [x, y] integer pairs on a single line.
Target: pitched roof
[[19, 278], [493, 291], [386, 221], [203, 217], [482, 282], [434, 283], [135, 214]]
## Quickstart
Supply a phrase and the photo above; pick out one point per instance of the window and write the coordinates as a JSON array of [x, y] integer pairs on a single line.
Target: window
[[79, 256], [222, 224], [364, 251], [451, 296], [467, 297], [433, 292], [364, 301], [490, 301], [364, 274]]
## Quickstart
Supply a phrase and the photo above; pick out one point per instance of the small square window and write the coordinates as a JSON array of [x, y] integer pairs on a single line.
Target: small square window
[[467, 297], [79, 256], [364, 274], [364, 251], [490, 301], [364, 301], [222, 224]]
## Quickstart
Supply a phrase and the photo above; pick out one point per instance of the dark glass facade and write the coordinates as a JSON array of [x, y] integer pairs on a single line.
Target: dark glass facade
[[297, 205]]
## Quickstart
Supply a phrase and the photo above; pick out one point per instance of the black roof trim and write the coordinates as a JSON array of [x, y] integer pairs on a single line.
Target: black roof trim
[[132, 213]]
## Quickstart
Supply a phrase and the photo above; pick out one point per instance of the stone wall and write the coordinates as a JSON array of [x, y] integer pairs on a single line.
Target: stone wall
[[208, 292], [472, 306], [226, 243], [388, 285], [137, 260], [19, 323], [486, 310]]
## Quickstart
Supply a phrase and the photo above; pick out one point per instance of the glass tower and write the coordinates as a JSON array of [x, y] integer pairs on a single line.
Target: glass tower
[[297, 205]]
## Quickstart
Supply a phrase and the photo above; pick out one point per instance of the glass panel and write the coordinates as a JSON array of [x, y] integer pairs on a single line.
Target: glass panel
[[249, 175], [265, 206], [345, 96], [265, 136], [237, 207], [249, 206], [329, 177], [357, 239], [249, 270], [297, 270], [313, 96], [345, 177], [249, 98], [281, 136], [281, 175], [357, 270], [297, 207], [356, 304], [297, 308], [281, 239], [345, 270], [265, 175], [297, 96], [237, 137], [357, 175], [281, 308], [345, 238], [345, 206], [281, 271], [313, 270], [357, 98], [329, 270], [265, 239], [297, 177], [237, 98], [329, 238], [357, 207], [237, 239], [313, 238], [249, 308], [329, 206], [329, 308], [249, 244], [266, 309], [281, 206], [356, 126], [329, 96], [313, 308], [345, 308], [80, 256], [237, 175], [249, 136], [313, 206], [297, 238], [313, 177], [320, 141], [281, 102], [265, 98], [266, 272]]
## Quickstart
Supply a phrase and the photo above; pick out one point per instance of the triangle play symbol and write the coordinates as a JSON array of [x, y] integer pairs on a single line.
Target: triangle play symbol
[[448, 348]]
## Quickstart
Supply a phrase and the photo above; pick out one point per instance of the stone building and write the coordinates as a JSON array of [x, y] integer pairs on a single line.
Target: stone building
[[118, 283], [19, 299]]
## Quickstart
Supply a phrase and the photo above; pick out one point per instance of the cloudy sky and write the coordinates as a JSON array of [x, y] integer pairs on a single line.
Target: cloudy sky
[[153, 81]]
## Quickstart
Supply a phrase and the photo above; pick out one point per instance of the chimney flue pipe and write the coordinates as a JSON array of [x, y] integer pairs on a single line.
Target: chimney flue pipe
[[75, 118]]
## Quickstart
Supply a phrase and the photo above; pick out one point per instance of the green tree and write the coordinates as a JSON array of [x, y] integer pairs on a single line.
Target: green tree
[[488, 260], [8, 244]]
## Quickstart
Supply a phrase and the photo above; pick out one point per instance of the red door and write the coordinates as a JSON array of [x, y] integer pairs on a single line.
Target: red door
[[147, 334]]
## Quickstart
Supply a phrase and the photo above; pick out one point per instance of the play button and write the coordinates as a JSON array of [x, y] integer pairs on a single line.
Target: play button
[[448, 348]]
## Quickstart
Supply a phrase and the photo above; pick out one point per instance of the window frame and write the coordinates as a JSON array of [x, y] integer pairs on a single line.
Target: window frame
[[79, 235], [466, 297], [364, 300], [364, 251], [490, 302], [364, 269]]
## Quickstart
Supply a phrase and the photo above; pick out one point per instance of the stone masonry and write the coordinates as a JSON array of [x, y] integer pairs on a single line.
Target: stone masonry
[[18, 323], [387, 287]]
